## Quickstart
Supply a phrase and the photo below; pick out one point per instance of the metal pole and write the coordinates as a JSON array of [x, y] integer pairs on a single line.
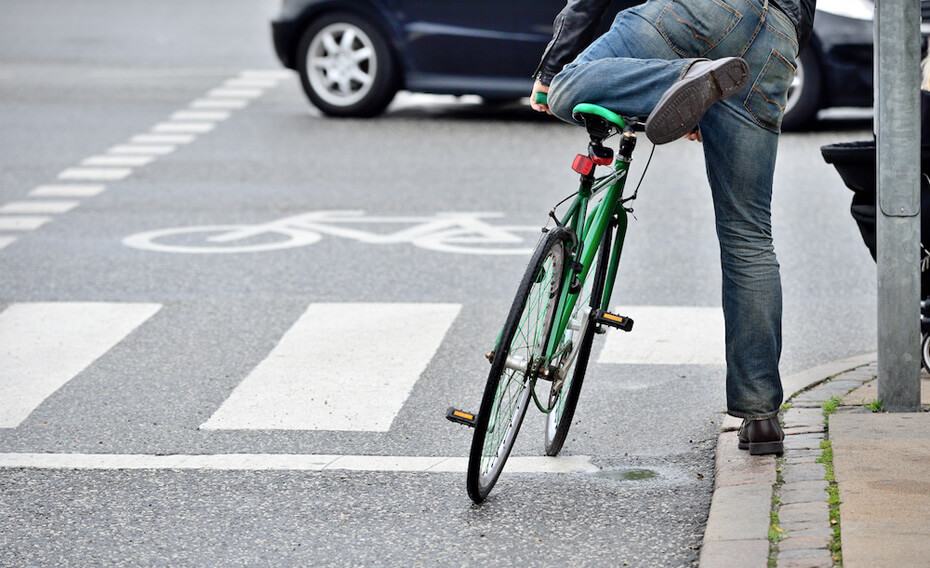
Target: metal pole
[[897, 105]]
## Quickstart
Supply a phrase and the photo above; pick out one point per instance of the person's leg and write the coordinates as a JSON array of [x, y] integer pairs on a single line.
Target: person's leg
[[740, 160], [626, 70]]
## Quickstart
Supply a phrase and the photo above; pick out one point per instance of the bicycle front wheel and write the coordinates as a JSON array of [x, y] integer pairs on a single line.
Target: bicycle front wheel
[[576, 347], [518, 357]]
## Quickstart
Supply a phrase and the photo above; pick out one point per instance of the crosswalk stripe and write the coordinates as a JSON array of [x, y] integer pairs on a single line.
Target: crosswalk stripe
[[43, 345], [667, 335], [340, 367], [289, 462]]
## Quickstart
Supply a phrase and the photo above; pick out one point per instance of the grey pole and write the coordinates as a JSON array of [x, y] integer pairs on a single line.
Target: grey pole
[[897, 105]]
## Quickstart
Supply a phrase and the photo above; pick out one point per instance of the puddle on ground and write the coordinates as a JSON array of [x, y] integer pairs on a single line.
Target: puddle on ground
[[627, 474]]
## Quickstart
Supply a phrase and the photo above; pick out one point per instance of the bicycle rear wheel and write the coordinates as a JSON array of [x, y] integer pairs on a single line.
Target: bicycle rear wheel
[[517, 358], [566, 387]]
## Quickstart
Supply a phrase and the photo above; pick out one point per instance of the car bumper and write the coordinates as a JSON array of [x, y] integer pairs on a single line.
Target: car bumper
[[284, 35]]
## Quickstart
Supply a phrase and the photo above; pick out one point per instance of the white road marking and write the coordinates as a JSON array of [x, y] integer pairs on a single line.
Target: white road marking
[[101, 174], [33, 207], [159, 150], [255, 83], [344, 367], [289, 462], [67, 190], [183, 127], [163, 139], [278, 74], [133, 161], [204, 115], [22, 223], [44, 345], [222, 93], [233, 104], [4, 241], [667, 335]]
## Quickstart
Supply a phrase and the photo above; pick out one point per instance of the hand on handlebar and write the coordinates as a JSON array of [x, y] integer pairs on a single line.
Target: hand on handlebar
[[537, 106]]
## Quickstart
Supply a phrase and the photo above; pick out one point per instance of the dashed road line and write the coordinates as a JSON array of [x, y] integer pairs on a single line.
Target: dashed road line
[[23, 222], [32, 207], [67, 190], [182, 127]]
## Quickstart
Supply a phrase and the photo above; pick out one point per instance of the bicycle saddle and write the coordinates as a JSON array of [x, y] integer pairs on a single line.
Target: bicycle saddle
[[598, 120]]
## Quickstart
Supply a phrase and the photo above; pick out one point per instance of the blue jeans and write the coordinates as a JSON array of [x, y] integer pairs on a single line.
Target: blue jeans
[[627, 70]]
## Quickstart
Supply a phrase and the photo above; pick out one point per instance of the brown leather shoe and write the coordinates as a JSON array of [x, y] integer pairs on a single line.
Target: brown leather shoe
[[761, 437], [685, 102]]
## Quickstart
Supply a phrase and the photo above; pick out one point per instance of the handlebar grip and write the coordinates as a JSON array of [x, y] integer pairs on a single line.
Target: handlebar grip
[[542, 98]]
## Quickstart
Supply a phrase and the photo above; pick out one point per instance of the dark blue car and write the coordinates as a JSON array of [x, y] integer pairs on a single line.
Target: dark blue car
[[354, 55]]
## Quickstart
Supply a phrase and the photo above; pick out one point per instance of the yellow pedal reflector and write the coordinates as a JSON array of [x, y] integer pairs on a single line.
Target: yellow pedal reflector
[[461, 417], [613, 320]]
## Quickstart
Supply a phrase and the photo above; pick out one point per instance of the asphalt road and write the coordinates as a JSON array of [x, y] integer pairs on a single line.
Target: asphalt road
[[123, 345]]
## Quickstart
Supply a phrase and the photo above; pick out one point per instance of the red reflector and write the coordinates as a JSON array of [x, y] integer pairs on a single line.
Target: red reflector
[[584, 165], [605, 161]]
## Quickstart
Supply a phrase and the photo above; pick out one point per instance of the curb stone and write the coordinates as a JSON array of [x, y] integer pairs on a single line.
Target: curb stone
[[744, 485]]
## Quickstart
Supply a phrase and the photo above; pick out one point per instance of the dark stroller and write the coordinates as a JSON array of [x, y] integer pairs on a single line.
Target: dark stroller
[[855, 162]]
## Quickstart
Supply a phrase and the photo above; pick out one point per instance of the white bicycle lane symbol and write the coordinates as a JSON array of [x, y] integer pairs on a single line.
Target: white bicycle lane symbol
[[452, 232]]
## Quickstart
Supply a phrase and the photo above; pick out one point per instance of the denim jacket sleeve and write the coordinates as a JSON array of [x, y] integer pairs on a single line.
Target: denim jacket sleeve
[[573, 30]]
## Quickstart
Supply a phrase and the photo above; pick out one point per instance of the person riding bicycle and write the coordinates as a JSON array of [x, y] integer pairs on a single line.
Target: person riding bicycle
[[715, 71]]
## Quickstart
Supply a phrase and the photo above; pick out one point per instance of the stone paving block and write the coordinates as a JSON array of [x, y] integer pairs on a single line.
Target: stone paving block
[[820, 484], [805, 542], [809, 562], [816, 531], [803, 496], [802, 417], [806, 404], [803, 472], [810, 429], [792, 454], [794, 527], [803, 442], [797, 460], [730, 553], [804, 553], [814, 511]]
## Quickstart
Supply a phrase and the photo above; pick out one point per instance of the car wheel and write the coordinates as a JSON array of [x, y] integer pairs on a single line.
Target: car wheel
[[346, 66], [805, 92]]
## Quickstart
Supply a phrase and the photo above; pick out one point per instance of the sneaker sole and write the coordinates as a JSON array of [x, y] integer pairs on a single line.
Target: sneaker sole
[[684, 104]]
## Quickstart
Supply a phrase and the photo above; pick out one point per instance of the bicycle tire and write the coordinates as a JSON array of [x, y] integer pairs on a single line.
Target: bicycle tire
[[508, 391], [562, 410]]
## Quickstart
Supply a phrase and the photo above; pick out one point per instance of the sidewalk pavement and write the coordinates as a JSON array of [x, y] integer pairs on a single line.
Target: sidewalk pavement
[[880, 470]]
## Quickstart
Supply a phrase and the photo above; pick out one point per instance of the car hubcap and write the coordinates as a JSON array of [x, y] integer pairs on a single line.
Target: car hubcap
[[341, 64]]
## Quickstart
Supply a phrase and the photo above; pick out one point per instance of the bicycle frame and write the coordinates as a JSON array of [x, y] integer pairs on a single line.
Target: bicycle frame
[[590, 228]]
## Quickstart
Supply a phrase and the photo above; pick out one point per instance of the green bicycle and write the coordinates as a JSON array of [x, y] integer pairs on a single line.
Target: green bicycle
[[560, 305]]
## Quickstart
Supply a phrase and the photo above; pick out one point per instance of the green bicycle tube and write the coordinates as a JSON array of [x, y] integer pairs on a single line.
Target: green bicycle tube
[[622, 221], [600, 217]]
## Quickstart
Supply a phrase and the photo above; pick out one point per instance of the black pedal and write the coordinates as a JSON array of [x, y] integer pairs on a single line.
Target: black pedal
[[613, 320], [461, 417]]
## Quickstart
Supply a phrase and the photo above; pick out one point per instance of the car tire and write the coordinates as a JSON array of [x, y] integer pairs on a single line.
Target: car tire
[[346, 66], [805, 94]]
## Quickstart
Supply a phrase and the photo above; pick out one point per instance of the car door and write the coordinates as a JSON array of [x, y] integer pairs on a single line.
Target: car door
[[463, 37]]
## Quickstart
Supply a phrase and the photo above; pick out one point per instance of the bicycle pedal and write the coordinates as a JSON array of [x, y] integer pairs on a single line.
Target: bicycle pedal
[[461, 417], [613, 320]]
